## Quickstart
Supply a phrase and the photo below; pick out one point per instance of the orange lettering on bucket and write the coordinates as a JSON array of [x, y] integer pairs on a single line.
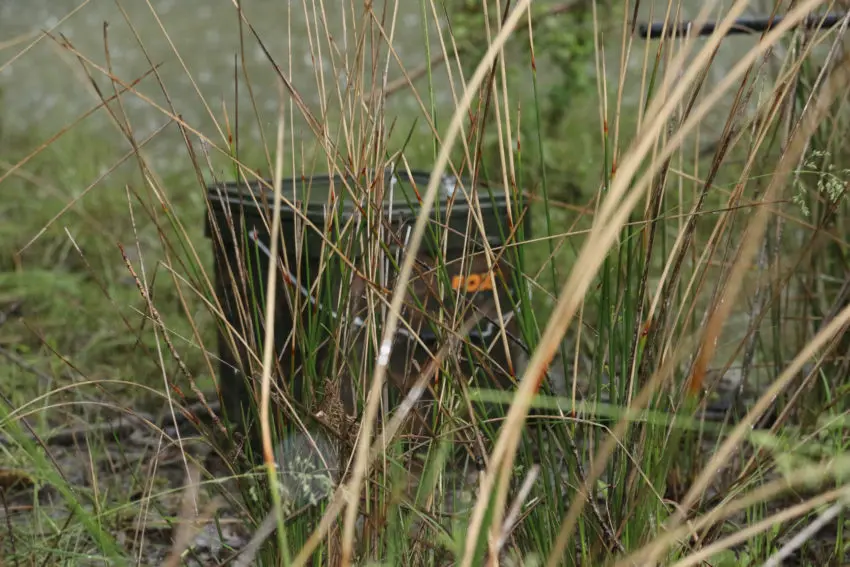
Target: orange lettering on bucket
[[473, 282]]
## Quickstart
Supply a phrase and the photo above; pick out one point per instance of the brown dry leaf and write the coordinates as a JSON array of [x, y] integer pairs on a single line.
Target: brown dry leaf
[[14, 479]]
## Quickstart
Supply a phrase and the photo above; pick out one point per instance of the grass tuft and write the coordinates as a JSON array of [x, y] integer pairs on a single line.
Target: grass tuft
[[510, 285]]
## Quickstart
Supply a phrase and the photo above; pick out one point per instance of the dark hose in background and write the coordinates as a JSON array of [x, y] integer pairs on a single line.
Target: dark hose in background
[[740, 27]]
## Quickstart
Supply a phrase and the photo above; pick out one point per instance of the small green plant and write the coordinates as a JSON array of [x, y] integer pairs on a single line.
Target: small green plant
[[830, 180]]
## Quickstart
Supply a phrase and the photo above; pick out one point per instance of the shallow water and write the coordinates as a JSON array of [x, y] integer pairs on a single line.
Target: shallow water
[[43, 86]]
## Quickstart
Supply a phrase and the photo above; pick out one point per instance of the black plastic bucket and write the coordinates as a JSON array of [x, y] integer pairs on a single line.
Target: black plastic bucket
[[322, 291]]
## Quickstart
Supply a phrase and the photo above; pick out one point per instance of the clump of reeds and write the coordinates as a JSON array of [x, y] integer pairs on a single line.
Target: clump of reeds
[[696, 255]]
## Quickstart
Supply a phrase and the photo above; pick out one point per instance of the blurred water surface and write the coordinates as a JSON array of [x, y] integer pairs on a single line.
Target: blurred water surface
[[43, 86]]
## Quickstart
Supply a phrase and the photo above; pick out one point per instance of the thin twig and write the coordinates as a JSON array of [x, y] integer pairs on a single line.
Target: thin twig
[[158, 319], [513, 513]]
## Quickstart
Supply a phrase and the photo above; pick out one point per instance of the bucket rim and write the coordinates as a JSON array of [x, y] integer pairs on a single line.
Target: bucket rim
[[250, 193]]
